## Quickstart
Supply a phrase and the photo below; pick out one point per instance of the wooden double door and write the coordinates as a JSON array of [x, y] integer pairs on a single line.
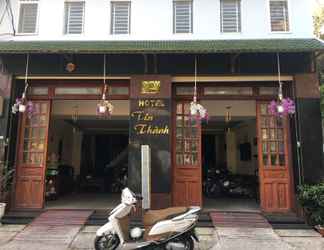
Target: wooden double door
[[275, 174], [275, 165], [187, 183], [31, 158]]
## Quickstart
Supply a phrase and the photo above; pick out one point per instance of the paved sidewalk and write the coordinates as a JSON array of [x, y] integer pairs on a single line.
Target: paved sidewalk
[[210, 238]]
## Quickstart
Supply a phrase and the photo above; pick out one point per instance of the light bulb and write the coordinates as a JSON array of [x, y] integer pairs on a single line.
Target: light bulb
[[280, 108], [102, 109], [22, 108]]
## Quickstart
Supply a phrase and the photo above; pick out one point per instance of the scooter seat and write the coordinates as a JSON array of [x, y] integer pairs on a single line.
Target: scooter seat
[[153, 216]]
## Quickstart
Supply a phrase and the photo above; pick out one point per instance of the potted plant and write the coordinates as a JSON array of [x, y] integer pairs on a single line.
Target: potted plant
[[311, 198], [5, 184]]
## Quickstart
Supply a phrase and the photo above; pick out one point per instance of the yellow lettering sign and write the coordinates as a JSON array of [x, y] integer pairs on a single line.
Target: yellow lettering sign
[[150, 103], [146, 129], [150, 87]]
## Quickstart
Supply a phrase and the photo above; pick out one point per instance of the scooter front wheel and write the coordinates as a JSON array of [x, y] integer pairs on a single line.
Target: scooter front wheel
[[106, 242], [189, 243]]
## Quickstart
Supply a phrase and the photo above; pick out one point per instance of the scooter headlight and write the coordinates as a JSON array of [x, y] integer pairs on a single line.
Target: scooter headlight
[[136, 233]]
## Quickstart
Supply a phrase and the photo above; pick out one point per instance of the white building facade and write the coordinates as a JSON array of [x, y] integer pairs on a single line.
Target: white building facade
[[156, 57], [154, 20]]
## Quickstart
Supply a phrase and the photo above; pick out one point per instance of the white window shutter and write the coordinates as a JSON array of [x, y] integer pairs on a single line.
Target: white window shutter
[[74, 15], [28, 17], [182, 17], [120, 18], [279, 15], [230, 16]]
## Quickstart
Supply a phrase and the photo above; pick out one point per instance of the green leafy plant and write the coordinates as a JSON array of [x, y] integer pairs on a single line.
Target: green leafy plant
[[6, 178], [311, 198]]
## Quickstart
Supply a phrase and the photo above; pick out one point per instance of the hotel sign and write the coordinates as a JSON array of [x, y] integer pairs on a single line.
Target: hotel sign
[[146, 118], [150, 124], [151, 87]]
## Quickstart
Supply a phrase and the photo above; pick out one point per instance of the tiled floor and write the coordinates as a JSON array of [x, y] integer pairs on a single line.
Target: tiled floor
[[108, 201], [85, 201], [231, 204]]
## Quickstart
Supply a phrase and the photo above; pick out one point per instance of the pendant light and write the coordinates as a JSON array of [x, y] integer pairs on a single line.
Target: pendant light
[[22, 105], [104, 107], [196, 109], [282, 106]]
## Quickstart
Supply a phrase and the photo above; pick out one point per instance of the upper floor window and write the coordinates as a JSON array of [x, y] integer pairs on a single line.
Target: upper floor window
[[28, 16], [74, 17], [120, 17], [182, 16], [279, 15], [230, 16]]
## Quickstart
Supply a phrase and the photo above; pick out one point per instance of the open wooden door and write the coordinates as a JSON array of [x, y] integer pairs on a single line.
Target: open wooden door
[[276, 187], [187, 186], [31, 158]]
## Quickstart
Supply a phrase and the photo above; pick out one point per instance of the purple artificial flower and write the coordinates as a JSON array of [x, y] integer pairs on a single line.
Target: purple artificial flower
[[22, 106], [30, 109], [286, 105]]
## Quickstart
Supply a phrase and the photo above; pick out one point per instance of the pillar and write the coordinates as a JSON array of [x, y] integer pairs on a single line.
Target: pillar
[[150, 124], [309, 127]]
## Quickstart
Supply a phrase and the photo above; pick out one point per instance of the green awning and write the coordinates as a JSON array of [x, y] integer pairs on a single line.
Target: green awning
[[163, 46]]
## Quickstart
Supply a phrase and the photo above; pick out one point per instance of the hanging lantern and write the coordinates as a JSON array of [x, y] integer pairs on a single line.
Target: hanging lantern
[[22, 105], [282, 106], [196, 109], [104, 107]]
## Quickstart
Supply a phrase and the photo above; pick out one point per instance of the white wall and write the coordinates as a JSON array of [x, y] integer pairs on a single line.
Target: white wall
[[246, 132], [152, 19]]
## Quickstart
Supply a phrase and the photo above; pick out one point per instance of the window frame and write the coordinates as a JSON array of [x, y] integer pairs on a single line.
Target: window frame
[[289, 31], [174, 17], [221, 19], [21, 2], [65, 22], [112, 20]]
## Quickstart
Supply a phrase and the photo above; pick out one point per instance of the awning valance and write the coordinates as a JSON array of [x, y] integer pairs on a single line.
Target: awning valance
[[163, 46]]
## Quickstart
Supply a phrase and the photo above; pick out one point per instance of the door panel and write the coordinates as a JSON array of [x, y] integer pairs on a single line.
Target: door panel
[[31, 157], [187, 186], [276, 189]]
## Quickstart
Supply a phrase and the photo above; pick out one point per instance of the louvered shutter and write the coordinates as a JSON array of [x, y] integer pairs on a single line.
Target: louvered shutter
[[28, 18], [74, 14], [120, 18], [279, 15], [230, 16], [182, 16]]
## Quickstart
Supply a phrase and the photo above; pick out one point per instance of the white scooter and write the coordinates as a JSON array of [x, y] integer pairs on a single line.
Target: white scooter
[[170, 229]]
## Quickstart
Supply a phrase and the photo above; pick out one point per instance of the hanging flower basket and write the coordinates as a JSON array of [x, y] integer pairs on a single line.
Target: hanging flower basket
[[104, 108], [22, 105], [198, 111], [282, 107]]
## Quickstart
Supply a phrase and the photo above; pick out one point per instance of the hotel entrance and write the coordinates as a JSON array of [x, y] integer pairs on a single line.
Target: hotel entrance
[[239, 155], [69, 155], [67, 152]]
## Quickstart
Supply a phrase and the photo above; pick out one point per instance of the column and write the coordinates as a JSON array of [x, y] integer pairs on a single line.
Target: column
[[150, 124]]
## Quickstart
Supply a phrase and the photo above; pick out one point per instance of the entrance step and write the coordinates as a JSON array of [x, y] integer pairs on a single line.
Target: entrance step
[[20, 217], [239, 220], [99, 217], [286, 221]]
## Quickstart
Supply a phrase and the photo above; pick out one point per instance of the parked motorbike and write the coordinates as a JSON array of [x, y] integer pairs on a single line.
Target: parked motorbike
[[170, 229], [220, 182], [214, 186]]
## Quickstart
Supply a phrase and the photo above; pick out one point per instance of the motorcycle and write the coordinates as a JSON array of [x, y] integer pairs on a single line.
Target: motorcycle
[[220, 182], [171, 229]]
